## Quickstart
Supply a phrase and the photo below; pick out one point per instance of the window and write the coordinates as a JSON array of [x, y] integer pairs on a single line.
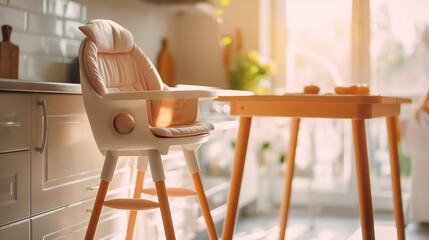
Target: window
[[320, 50], [400, 45], [399, 66], [318, 43]]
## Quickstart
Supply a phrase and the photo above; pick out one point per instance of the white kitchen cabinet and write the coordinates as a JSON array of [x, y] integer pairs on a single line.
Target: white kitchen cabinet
[[14, 122], [70, 222], [14, 157], [47, 190], [67, 168], [19, 230], [14, 186]]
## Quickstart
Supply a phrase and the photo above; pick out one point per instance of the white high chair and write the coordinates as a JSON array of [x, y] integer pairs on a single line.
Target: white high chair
[[132, 113]]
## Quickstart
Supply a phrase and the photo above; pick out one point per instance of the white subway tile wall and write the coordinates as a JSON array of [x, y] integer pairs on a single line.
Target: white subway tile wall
[[72, 47], [45, 68], [32, 5], [56, 7], [72, 30], [55, 47], [16, 18], [83, 13], [73, 10], [47, 35], [22, 39], [46, 25]]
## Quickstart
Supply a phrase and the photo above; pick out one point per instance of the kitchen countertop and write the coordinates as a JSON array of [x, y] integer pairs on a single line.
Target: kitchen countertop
[[14, 85]]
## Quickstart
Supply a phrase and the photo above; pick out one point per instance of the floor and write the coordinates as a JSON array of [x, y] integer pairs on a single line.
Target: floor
[[328, 225]]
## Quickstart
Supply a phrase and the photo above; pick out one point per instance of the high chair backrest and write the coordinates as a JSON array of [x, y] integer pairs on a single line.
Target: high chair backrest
[[113, 63]]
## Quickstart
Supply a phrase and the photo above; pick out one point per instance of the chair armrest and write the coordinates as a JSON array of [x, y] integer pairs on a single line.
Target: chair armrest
[[148, 95]]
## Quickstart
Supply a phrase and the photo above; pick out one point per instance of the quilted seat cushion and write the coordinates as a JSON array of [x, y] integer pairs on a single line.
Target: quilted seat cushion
[[198, 128]]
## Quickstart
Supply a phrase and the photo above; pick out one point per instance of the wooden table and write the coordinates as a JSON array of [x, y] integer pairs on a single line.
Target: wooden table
[[356, 108]]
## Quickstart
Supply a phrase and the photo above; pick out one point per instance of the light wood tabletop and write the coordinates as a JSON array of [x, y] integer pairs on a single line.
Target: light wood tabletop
[[314, 106], [354, 107]]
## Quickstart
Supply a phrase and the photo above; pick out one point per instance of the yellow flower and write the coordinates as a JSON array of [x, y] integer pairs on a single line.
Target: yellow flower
[[272, 67], [226, 40], [254, 56], [219, 12], [224, 2], [253, 69]]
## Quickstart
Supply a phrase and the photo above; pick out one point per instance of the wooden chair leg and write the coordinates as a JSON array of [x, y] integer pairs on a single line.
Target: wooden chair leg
[[96, 211], [236, 177], [290, 165], [167, 221], [133, 214], [194, 170], [204, 206], [363, 180], [395, 174], [106, 177], [157, 171]]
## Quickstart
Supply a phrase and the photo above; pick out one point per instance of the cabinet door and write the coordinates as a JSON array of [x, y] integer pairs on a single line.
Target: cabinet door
[[68, 168], [71, 222], [14, 186], [14, 121], [19, 230]]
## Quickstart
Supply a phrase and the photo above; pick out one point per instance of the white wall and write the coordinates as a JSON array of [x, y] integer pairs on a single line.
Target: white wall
[[47, 34], [196, 51], [147, 22]]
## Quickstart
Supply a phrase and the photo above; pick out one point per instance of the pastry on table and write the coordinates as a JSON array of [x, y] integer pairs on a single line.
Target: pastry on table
[[311, 89], [354, 90]]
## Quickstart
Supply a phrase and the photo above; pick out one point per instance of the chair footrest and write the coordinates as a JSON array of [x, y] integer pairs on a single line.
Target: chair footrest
[[172, 192], [131, 204]]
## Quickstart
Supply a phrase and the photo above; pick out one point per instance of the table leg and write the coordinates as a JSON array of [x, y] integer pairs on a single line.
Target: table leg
[[395, 173], [363, 182], [290, 164], [236, 177]]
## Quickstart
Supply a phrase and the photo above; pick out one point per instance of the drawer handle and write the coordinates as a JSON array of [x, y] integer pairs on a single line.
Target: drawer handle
[[10, 124], [45, 126]]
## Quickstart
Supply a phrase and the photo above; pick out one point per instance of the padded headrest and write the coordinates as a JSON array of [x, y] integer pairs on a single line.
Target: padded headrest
[[108, 36]]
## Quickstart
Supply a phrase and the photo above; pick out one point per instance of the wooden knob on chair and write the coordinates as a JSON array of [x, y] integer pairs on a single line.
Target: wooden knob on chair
[[123, 123]]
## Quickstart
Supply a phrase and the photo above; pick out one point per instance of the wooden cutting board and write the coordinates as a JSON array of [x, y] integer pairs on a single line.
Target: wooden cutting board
[[9, 55], [165, 65]]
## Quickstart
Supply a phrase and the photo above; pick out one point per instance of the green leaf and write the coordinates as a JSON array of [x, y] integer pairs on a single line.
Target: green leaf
[[282, 158], [266, 145]]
